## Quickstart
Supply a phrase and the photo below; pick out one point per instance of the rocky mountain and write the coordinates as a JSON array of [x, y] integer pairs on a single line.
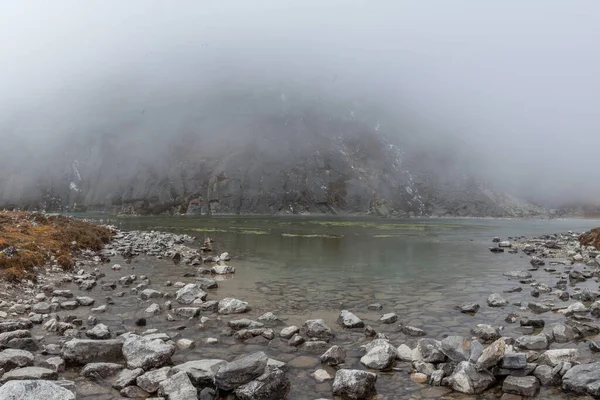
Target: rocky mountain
[[260, 152]]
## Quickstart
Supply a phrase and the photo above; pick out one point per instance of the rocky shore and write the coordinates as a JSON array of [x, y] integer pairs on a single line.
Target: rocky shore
[[60, 340]]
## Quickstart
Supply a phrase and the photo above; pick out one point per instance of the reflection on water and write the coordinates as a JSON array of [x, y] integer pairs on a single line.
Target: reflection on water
[[305, 267]]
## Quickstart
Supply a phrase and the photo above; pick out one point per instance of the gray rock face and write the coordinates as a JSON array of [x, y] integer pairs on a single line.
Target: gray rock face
[[102, 370], [13, 358], [349, 320], [522, 385], [496, 300], [272, 385], [456, 348], [150, 380], [126, 377], [491, 355], [380, 355], [98, 332], [537, 342], [189, 293], [317, 328], [354, 384], [431, 350], [232, 306], [29, 373], [466, 379], [141, 352], [34, 389], [336, 355], [583, 379], [178, 387], [514, 361], [84, 351], [239, 372], [201, 372]]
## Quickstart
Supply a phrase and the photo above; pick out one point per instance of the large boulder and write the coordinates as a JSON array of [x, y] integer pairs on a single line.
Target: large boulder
[[272, 385], [456, 348], [527, 386], [467, 379], [317, 328], [583, 379], [84, 351], [189, 293], [239, 372], [13, 358], [145, 353], [232, 306], [201, 372], [34, 389], [380, 355], [354, 384]]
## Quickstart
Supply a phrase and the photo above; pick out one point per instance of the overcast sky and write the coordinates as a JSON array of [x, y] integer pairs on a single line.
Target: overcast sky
[[518, 80]]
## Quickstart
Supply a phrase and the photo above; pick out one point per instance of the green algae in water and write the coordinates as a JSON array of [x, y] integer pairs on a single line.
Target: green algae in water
[[386, 226], [252, 232], [311, 236]]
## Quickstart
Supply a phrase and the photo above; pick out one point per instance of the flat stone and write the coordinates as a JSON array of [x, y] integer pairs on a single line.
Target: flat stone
[[142, 352], [34, 389], [13, 358], [522, 385], [201, 372], [102, 370], [29, 373], [239, 372], [126, 377], [178, 387], [388, 318], [151, 379], [84, 351]]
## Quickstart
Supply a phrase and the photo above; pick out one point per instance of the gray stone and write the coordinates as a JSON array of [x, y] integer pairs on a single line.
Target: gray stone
[[272, 385], [388, 318], [150, 380], [404, 353], [206, 283], [469, 308], [548, 376], [201, 372], [289, 331], [514, 361], [239, 372], [485, 332], [34, 389], [187, 312], [583, 379], [336, 355], [141, 352], [466, 379], [380, 355], [412, 331], [562, 333], [54, 363], [456, 348], [317, 328], [12, 358], [556, 356], [84, 351], [538, 308], [150, 294], [244, 323], [431, 350], [518, 274], [491, 355], [178, 387], [496, 300], [232, 306], [85, 301], [189, 293], [354, 384], [102, 370], [537, 342], [98, 332], [349, 320], [15, 324], [126, 377], [522, 385], [134, 392], [29, 373]]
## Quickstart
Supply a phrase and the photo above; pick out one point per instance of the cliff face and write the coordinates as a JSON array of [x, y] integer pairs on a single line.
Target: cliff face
[[264, 154]]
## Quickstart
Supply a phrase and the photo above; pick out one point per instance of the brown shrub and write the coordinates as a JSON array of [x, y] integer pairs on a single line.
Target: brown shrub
[[590, 238]]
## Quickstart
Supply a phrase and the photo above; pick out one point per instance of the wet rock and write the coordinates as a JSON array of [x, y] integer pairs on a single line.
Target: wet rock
[[485, 332], [538, 308], [496, 300], [548, 376], [556, 356], [84, 351], [321, 375], [35, 389], [595, 309], [375, 307], [184, 344], [522, 385], [496, 250], [456, 348], [504, 243], [575, 308], [178, 387], [272, 385], [187, 312], [98, 332], [469, 308], [466, 379], [54, 363], [148, 294], [388, 318], [336, 355], [536, 323], [12, 358], [126, 377], [518, 274], [289, 331], [412, 331], [152, 309], [296, 340], [26, 373], [562, 333], [594, 347], [354, 384], [232, 306], [244, 323], [141, 352], [134, 392], [576, 276], [85, 301], [349, 320], [514, 361], [536, 261], [431, 350], [206, 283], [537, 342], [189, 293], [8, 336], [317, 328], [239, 372], [151, 379], [100, 370], [201, 372], [380, 355], [583, 379], [15, 324], [491, 355], [404, 353], [369, 331], [222, 269]]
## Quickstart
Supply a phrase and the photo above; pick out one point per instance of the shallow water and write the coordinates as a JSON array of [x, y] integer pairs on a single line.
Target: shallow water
[[307, 267]]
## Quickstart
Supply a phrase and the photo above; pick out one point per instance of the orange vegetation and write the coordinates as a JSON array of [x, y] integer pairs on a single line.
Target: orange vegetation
[[29, 239], [590, 238]]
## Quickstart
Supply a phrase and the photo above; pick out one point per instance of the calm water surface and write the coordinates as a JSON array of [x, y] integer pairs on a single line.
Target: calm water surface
[[307, 267]]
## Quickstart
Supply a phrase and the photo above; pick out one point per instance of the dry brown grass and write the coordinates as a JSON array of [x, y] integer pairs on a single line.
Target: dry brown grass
[[29, 239], [590, 238]]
